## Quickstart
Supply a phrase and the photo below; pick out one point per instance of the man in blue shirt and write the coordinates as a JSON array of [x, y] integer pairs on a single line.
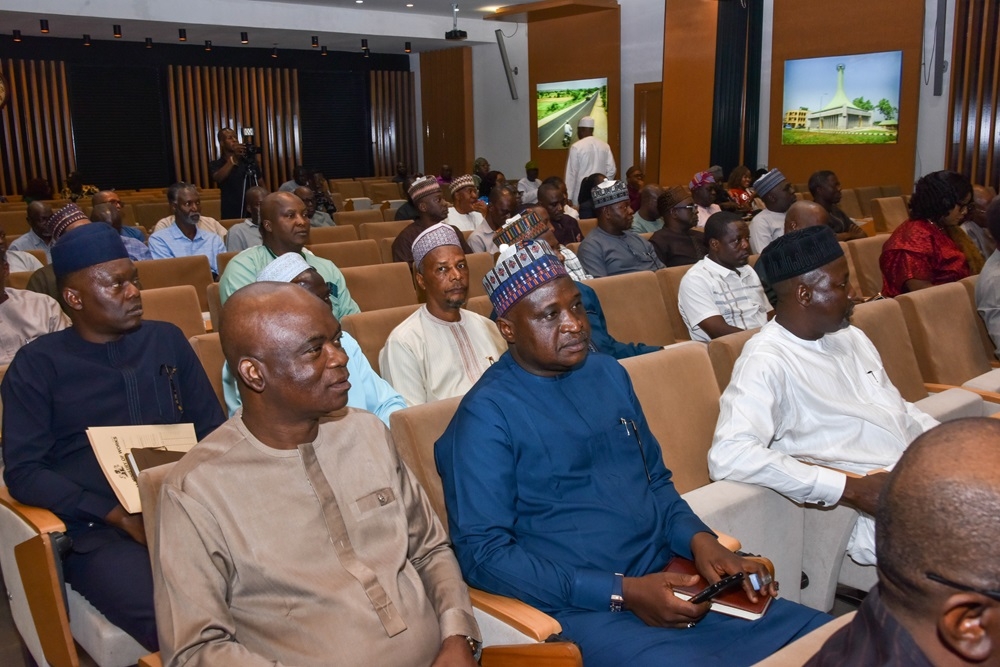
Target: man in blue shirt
[[557, 493], [184, 238]]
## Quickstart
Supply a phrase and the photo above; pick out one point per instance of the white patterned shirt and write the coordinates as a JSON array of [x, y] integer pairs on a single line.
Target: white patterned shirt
[[709, 289]]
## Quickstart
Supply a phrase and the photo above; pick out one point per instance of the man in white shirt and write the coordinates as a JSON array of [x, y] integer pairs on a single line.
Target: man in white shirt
[[776, 193], [528, 186], [720, 294], [464, 197], [191, 204], [587, 156], [441, 350], [809, 397], [702, 188], [24, 315], [39, 237]]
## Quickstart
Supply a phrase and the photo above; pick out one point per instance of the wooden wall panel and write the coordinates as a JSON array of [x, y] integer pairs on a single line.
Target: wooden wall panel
[[446, 104], [567, 48], [204, 100], [975, 92], [648, 115], [393, 121], [812, 30], [37, 136]]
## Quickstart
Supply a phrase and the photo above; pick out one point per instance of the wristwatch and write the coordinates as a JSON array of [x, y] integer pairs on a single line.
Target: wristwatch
[[476, 647], [617, 598]]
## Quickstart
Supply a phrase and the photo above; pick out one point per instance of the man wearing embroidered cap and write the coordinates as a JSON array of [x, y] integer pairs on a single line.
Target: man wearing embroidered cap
[[43, 280], [557, 493], [425, 193], [613, 248], [777, 194], [811, 389], [587, 156], [464, 214], [441, 349], [109, 369], [702, 188]]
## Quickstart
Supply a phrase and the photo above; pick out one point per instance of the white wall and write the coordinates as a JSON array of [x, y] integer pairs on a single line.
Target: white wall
[[642, 62], [502, 125]]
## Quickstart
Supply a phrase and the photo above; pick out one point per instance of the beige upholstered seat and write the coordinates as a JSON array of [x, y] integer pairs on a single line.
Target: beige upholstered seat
[[355, 218], [479, 264], [334, 234], [208, 348], [849, 203], [801, 650], [381, 230], [192, 270], [223, 258], [214, 305], [372, 328], [724, 351], [587, 225], [480, 304], [380, 285], [984, 335], [888, 213], [178, 305], [670, 285], [865, 253], [865, 196], [348, 253], [634, 309]]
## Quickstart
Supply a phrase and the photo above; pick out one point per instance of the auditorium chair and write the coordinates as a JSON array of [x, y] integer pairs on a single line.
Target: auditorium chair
[[866, 253], [333, 234], [348, 253], [574, 247], [19, 279], [211, 207], [865, 196], [39, 255], [891, 191], [724, 351], [48, 614], [380, 285], [853, 276], [371, 329], [3, 371], [634, 309], [888, 213], [208, 348], [381, 230], [669, 280], [360, 204], [229, 223], [385, 249], [849, 203], [884, 324], [148, 214], [984, 335], [802, 649], [513, 633], [389, 214], [178, 305], [214, 300], [348, 188], [382, 191], [223, 258], [587, 225], [480, 304], [355, 218], [942, 326], [479, 264], [14, 222], [193, 270]]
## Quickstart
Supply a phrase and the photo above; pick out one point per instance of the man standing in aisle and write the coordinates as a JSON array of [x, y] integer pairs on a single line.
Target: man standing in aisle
[[587, 156], [235, 172]]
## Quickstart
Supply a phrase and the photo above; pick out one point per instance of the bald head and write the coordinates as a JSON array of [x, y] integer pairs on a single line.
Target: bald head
[[805, 213]]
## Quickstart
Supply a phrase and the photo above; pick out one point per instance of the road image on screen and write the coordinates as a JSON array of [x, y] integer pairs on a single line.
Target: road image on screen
[[850, 99], [562, 104]]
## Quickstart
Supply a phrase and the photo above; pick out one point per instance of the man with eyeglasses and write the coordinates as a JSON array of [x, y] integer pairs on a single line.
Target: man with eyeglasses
[[721, 294], [678, 243], [938, 591], [613, 248]]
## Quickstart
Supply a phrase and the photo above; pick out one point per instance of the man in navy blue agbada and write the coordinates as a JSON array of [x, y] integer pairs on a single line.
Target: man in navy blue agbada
[[109, 369], [557, 493]]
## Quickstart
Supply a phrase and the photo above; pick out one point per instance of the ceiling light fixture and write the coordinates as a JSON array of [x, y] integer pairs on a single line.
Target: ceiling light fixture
[[322, 51], [407, 48], [208, 45], [17, 35], [117, 31], [274, 51], [364, 44], [182, 34], [149, 42], [315, 41], [86, 40], [244, 38], [44, 23]]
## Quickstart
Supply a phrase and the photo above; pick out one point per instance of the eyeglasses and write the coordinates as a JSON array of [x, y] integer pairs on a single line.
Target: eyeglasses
[[689, 207], [993, 595]]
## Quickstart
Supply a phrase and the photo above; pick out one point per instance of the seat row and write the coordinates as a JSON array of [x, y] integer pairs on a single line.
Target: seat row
[[855, 202]]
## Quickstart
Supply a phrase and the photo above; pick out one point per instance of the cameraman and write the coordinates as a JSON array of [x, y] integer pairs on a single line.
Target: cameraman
[[234, 172]]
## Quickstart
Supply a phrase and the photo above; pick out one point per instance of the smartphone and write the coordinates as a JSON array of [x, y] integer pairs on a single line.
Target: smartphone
[[718, 588]]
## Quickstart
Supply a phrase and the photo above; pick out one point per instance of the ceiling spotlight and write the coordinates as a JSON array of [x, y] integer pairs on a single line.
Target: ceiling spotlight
[[274, 52], [364, 44], [45, 25], [182, 34], [360, 2], [149, 42], [208, 45], [315, 41], [407, 48], [244, 38], [17, 35], [366, 53], [322, 51], [117, 31], [409, 4], [86, 40]]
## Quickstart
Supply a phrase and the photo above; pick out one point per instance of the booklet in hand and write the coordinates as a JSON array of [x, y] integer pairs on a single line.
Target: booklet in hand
[[732, 602]]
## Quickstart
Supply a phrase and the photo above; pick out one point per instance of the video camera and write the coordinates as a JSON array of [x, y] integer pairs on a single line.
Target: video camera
[[251, 148]]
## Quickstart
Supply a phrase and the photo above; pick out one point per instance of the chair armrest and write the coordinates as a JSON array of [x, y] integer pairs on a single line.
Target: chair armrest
[[42, 520], [988, 396], [728, 541], [553, 654], [151, 660], [522, 617], [44, 592]]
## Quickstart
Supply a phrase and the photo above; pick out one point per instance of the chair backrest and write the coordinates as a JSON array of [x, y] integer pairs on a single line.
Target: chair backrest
[[882, 321], [208, 348], [383, 191], [361, 204], [984, 334], [680, 399], [178, 305], [891, 191], [865, 196], [389, 215], [214, 305], [724, 351], [193, 270], [333, 234], [480, 304], [385, 249], [573, 247], [587, 225], [865, 253], [212, 208], [669, 280], [381, 230], [415, 430], [348, 188], [222, 259], [19, 279], [150, 481], [14, 222], [633, 306], [942, 328], [348, 253], [228, 223], [39, 255], [479, 264], [853, 279], [357, 217], [149, 213], [380, 285], [849, 203], [889, 213], [371, 329]]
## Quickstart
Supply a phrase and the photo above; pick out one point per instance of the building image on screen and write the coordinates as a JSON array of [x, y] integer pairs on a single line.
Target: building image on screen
[[562, 104], [851, 99]]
